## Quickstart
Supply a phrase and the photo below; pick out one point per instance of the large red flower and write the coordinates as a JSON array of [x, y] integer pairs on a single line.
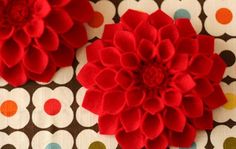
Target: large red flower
[[39, 36], [153, 81]]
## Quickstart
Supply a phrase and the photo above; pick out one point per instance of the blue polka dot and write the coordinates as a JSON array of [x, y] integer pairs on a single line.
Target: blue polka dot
[[194, 146], [182, 13], [53, 146]]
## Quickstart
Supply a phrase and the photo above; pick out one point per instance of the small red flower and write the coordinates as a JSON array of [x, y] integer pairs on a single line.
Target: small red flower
[[153, 81], [39, 36]]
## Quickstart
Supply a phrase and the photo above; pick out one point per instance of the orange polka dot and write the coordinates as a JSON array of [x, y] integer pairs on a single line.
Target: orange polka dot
[[224, 16], [97, 20], [8, 108]]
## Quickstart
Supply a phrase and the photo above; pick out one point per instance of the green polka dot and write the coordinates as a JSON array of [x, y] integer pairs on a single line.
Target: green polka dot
[[53, 146], [194, 146], [182, 13], [230, 143], [97, 145]]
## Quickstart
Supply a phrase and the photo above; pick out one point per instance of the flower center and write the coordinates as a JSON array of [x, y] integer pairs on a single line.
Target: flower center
[[153, 76], [18, 12]]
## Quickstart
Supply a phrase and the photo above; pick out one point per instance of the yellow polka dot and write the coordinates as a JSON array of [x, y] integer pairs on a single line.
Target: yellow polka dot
[[230, 143], [97, 145], [231, 104]]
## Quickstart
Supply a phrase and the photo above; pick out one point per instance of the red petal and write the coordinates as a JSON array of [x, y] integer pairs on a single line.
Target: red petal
[[146, 50], [159, 19], [108, 124], [203, 87], [185, 27], [124, 78], [80, 10], [113, 102], [165, 50], [134, 96], [187, 46], [174, 119], [87, 75], [152, 126], [22, 38], [153, 105], [172, 97], [125, 41], [93, 101], [11, 52], [93, 49], [129, 60], [205, 122], [218, 69], [41, 8], [183, 139], [110, 30], [132, 18], [160, 142], [206, 44], [35, 60], [130, 140], [46, 76], [49, 40], [169, 32], [76, 37], [130, 119], [178, 63], [106, 79], [15, 75], [184, 82], [64, 56], [59, 3], [192, 106], [145, 31], [6, 31], [110, 56], [35, 28], [216, 98], [59, 21], [200, 65]]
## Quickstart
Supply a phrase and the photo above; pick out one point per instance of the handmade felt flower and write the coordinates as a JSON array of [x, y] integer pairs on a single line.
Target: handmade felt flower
[[39, 36], [153, 81]]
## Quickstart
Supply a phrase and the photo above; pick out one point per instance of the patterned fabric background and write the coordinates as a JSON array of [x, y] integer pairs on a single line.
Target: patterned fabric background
[[49, 116]]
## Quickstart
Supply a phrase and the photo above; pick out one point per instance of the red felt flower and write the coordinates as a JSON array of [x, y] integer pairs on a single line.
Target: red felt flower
[[39, 36], [153, 81]]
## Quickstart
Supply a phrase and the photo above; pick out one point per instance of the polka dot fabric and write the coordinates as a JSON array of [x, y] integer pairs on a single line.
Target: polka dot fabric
[[27, 112]]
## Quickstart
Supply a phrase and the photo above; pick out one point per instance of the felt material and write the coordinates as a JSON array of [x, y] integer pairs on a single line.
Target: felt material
[[156, 85], [37, 32]]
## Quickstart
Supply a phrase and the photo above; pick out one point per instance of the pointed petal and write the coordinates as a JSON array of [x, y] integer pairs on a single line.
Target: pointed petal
[[35, 28], [22, 38], [9, 74], [129, 60], [145, 31], [93, 101], [184, 82], [130, 119], [87, 75], [174, 119], [178, 63], [132, 18], [76, 37], [41, 8], [49, 41], [203, 87], [146, 50], [35, 60], [109, 32], [134, 96], [6, 31], [169, 32], [130, 140], [105, 79], [93, 49], [124, 78], [63, 56], [184, 138], [110, 56], [159, 19], [113, 102], [153, 105], [160, 142], [59, 20], [152, 125], [11, 52], [187, 46], [165, 50], [216, 98], [172, 97], [205, 122], [125, 41], [108, 124], [185, 28]]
